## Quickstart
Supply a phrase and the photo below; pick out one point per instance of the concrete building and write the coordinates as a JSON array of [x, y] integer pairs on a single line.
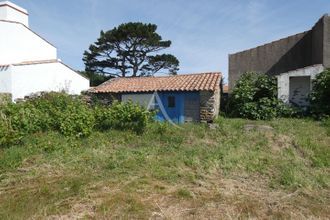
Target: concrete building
[[28, 62], [180, 98], [294, 60]]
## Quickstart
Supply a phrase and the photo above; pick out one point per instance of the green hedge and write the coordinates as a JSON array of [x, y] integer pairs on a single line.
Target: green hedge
[[255, 97], [122, 116], [320, 96], [7, 134], [69, 115]]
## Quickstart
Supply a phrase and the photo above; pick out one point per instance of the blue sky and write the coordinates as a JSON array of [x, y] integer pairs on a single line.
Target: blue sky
[[202, 32]]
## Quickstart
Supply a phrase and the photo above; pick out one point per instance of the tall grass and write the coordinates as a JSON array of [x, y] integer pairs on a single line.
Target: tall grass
[[124, 174]]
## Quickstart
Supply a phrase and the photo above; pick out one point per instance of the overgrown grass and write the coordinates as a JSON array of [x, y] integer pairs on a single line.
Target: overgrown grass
[[171, 173]]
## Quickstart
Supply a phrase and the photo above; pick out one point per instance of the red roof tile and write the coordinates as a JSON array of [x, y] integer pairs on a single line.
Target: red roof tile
[[225, 89], [186, 82]]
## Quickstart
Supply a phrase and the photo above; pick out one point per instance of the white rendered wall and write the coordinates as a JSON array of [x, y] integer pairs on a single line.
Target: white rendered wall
[[141, 99], [19, 44], [27, 79], [283, 80], [5, 79], [12, 12]]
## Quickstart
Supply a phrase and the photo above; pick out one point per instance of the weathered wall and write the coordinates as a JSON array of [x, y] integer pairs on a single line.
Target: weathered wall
[[294, 52], [283, 80], [101, 98], [192, 107], [209, 105], [300, 87], [142, 99], [217, 99], [326, 42], [317, 42]]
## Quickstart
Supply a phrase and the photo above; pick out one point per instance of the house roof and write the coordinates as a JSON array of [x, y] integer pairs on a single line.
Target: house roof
[[38, 62], [184, 82]]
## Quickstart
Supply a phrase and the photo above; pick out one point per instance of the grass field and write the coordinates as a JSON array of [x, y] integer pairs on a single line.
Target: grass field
[[170, 173]]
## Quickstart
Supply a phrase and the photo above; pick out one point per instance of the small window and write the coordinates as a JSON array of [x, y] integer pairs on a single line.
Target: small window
[[171, 101]]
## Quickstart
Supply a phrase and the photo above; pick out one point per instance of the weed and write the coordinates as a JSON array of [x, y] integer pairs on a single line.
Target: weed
[[184, 193], [120, 174]]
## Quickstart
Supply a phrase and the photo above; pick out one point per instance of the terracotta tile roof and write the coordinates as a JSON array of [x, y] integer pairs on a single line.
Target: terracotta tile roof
[[186, 82], [225, 89]]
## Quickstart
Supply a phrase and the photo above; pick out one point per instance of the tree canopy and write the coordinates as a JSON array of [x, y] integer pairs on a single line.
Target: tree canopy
[[131, 49]]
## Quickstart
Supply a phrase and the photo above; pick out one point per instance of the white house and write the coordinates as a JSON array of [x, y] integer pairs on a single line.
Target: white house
[[28, 62]]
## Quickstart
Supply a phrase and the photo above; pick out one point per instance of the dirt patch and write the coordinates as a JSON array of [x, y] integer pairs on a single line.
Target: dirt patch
[[278, 142], [251, 127], [78, 211]]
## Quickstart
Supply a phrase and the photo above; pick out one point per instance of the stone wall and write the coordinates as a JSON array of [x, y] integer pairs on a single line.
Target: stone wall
[[102, 98], [287, 54], [5, 98], [209, 105]]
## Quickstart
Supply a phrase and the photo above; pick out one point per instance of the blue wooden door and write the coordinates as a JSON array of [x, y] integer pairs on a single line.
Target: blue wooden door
[[172, 107]]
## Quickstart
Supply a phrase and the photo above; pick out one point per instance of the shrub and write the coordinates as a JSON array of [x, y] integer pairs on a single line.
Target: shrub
[[51, 111], [25, 118], [320, 96], [103, 120], [53, 105], [255, 97], [67, 114], [76, 120], [124, 116], [7, 133]]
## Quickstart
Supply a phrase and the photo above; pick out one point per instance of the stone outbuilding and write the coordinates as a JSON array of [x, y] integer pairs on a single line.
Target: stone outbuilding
[[179, 98], [295, 61]]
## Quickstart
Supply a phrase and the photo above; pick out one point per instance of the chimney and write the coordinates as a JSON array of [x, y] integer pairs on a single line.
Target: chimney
[[11, 12]]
